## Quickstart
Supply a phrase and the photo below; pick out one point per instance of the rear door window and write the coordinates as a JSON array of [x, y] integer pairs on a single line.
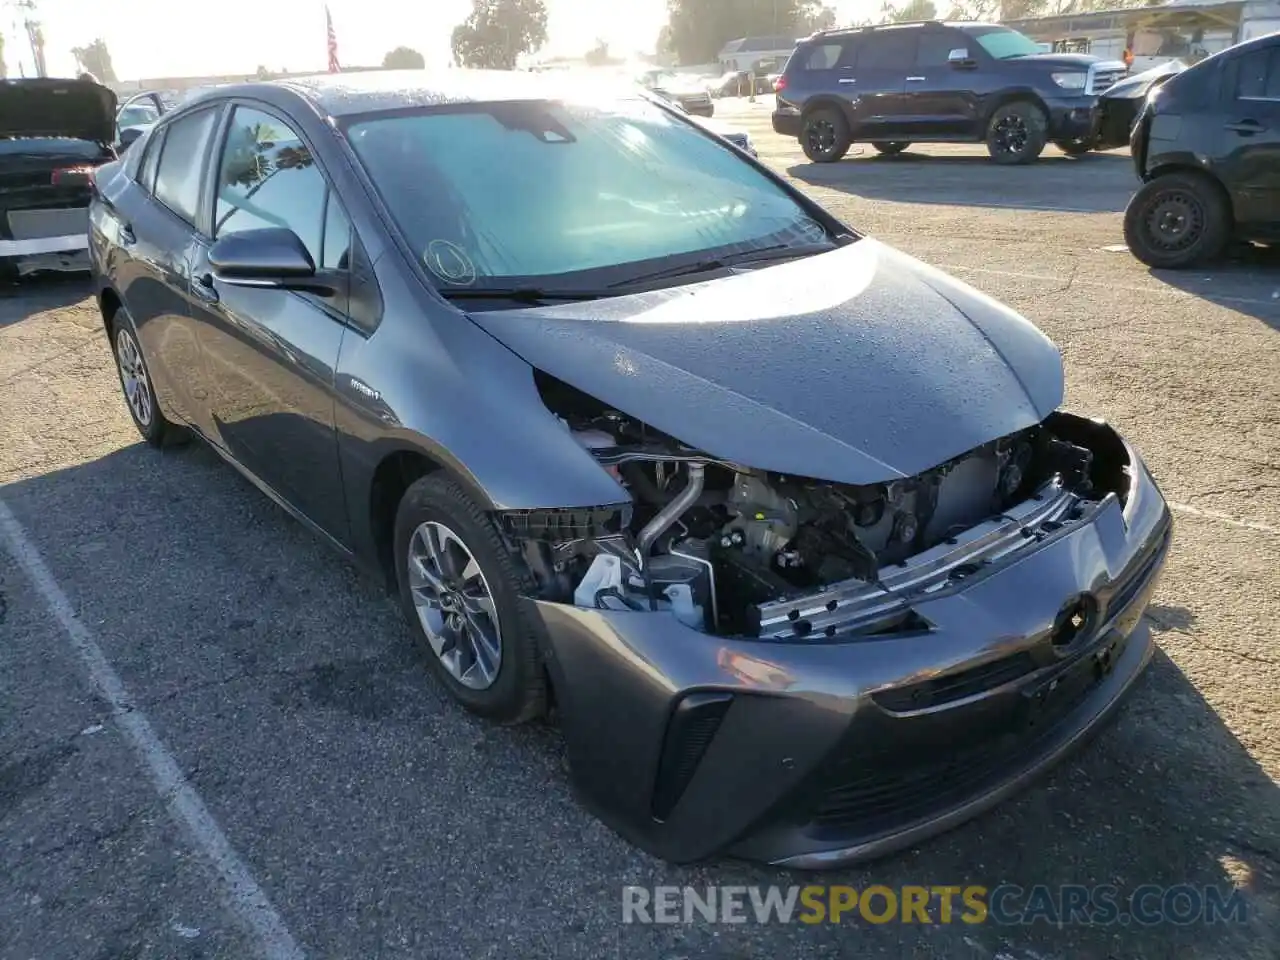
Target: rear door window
[[888, 50], [178, 178]]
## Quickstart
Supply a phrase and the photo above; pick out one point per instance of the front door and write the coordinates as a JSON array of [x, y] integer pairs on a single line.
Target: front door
[[1251, 126], [940, 103], [271, 353]]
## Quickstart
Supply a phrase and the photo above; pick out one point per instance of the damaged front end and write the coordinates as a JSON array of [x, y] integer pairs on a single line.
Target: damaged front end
[[812, 673], [739, 552]]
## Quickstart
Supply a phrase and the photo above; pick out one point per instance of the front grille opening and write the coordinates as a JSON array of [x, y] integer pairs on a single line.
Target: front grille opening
[[692, 727], [939, 691]]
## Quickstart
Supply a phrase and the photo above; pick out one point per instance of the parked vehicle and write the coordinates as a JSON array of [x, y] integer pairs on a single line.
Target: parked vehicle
[[1207, 149], [692, 96], [898, 84], [735, 135], [54, 134], [1121, 103], [791, 525], [136, 115]]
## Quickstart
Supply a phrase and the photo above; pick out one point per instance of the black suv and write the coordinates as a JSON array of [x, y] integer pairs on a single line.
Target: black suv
[[934, 82], [1207, 148]]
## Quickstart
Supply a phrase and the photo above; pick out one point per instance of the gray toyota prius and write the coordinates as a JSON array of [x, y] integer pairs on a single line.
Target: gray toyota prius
[[790, 528]]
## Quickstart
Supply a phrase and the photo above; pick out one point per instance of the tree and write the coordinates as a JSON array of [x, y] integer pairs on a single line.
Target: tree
[[909, 11], [696, 30], [983, 10], [264, 74], [403, 58], [96, 59], [498, 31]]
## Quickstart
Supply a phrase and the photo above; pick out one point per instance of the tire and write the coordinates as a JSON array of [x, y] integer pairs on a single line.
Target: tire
[[1076, 148], [1177, 220], [891, 148], [136, 384], [510, 688], [1016, 133], [825, 136]]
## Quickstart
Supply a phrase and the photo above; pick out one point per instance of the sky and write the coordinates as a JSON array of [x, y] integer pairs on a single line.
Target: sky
[[175, 38]]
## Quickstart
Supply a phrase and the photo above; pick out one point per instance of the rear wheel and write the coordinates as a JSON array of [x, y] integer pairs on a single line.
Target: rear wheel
[[1177, 220], [1016, 133], [1077, 147], [135, 381], [824, 135], [891, 148]]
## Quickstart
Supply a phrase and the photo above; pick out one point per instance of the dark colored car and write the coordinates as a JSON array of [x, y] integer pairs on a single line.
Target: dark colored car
[[136, 115], [1120, 105], [691, 96], [789, 526], [899, 84], [1207, 148], [53, 135]]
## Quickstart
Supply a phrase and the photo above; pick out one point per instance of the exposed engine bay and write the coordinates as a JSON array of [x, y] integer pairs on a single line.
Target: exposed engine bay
[[718, 543]]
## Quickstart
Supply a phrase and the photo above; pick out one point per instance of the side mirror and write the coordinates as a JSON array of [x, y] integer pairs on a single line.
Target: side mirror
[[959, 57], [273, 257]]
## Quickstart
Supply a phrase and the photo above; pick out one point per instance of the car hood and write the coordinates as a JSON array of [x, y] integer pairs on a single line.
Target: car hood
[[856, 366], [1058, 61], [57, 108], [1137, 86]]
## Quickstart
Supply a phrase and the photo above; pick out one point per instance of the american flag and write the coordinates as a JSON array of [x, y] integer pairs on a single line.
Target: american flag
[[333, 42]]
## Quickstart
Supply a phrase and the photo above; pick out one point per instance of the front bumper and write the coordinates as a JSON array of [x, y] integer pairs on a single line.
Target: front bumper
[[1115, 121], [1073, 118], [818, 753]]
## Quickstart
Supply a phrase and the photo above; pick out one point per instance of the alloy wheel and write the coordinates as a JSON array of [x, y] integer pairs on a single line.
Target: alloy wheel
[[454, 605], [821, 135], [1011, 135], [1174, 221], [133, 377]]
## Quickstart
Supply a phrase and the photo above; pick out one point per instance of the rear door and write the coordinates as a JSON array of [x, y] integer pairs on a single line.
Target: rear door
[[154, 229], [1251, 124], [885, 56], [272, 353]]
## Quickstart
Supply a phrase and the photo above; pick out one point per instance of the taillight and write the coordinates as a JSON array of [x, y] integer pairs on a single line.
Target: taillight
[[780, 84], [81, 176]]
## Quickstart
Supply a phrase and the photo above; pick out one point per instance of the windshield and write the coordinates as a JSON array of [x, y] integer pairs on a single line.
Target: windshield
[[1003, 43], [502, 193]]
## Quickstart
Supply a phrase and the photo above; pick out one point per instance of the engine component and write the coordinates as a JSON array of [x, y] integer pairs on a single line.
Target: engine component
[[672, 511], [766, 519], [1072, 463]]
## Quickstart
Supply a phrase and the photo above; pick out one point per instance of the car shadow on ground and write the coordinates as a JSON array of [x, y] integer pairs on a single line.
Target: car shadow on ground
[[275, 670], [1096, 183], [30, 295], [1247, 281]]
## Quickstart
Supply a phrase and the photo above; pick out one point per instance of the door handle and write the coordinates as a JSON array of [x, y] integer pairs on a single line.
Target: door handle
[[1245, 126], [204, 289], [127, 236], [910, 79], [846, 80]]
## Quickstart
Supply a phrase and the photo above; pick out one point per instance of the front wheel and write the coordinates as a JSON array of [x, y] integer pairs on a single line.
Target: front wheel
[[1016, 133], [460, 589], [891, 148], [1077, 147], [1177, 220], [824, 136], [136, 382]]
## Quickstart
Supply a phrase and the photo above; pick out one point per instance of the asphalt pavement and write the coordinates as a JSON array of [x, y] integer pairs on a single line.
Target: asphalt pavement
[[218, 741]]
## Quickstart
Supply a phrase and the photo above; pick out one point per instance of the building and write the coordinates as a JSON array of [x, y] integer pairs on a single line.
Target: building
[[1187, 30], [744, 53]]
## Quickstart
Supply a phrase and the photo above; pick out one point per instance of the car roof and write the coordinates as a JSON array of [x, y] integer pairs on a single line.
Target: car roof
[[344, 94]]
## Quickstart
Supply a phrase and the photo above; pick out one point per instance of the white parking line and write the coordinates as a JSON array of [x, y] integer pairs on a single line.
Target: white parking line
[[1224, 518], [244, 898]]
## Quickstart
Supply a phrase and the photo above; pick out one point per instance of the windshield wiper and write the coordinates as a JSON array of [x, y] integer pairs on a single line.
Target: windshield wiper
[[520, 294], [777, 251]]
